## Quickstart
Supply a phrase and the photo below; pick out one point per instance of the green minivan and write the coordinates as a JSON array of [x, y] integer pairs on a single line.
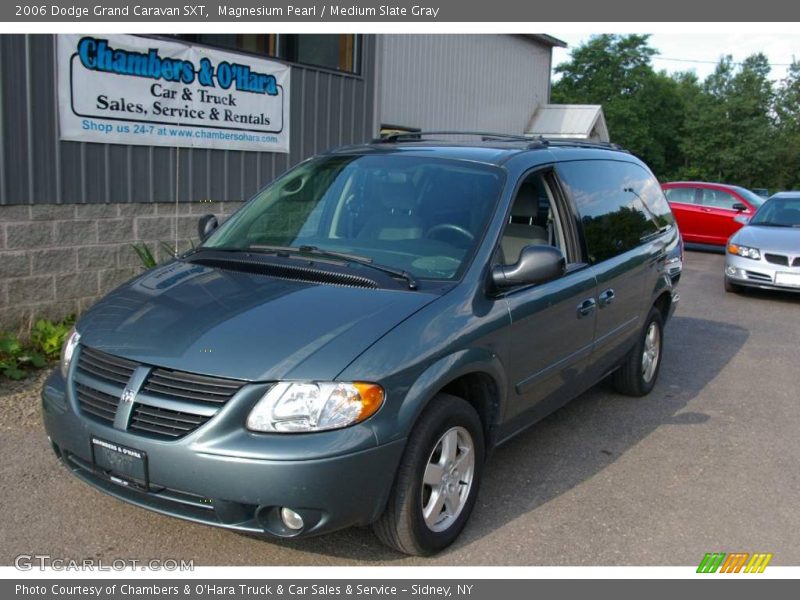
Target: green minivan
[[349, 347]]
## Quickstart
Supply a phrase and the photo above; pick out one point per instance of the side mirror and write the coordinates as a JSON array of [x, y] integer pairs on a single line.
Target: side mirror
[[739, 207], [206, 226], [743, 219], [536, 264]]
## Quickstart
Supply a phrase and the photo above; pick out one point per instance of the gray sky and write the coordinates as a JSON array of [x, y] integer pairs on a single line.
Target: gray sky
[[709, 47]]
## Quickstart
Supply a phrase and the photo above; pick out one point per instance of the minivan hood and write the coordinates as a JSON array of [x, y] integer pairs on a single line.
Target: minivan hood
[[246, 326], [783, 240]]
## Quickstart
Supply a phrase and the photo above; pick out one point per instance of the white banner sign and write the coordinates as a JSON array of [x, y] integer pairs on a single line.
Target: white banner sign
[[123, 89]]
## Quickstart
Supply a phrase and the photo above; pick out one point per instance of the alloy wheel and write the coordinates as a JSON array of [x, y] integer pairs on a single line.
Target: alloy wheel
[[448, 477], [651, 352]]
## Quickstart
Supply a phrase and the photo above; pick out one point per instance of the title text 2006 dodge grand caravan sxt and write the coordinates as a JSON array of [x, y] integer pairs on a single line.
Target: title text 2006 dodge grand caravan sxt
[[348, 347]]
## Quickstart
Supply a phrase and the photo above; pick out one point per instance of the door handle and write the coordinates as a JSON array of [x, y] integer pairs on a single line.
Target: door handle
[[586, 307], [606, 298]]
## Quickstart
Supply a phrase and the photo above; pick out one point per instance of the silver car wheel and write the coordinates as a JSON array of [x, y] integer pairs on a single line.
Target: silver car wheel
[[651, 352], [448, 479]]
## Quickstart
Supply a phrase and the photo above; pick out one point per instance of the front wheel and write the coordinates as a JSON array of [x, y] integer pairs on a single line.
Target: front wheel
[[638, 373], [437, 482]]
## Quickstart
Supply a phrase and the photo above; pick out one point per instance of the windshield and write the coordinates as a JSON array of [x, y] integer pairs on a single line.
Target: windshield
[[778, 212], [425, 216], [750, 196]]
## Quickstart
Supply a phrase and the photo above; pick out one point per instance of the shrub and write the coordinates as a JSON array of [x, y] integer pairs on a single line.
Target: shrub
[[15, 357], [46, 339]]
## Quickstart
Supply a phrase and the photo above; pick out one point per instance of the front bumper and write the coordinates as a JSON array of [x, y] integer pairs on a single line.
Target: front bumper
[[760, 273], [241, 488]]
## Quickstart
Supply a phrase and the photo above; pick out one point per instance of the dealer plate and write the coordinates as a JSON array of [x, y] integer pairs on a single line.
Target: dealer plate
[[122, 464]]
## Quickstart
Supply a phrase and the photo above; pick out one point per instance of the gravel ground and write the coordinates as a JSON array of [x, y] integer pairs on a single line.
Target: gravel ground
[[19, 401]]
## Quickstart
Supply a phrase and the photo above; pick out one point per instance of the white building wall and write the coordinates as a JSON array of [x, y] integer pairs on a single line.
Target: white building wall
[[466, 82]]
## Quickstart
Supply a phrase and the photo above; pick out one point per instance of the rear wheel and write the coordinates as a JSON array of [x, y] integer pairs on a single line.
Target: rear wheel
[[639, 371], [437, 482]]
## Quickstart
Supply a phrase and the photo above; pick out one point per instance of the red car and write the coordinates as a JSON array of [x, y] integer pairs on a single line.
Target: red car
[[705, 211]]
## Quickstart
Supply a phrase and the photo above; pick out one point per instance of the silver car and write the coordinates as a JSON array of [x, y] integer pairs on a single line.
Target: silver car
[[766, 252]]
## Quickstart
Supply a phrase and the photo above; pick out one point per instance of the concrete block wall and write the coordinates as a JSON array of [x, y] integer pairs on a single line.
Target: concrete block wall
[[57, 260]]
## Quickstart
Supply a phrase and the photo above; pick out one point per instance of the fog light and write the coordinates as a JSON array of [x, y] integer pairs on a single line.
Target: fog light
[[730, 271], [291, 519]]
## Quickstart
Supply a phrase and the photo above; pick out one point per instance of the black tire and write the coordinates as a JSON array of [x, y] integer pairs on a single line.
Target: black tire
[[402, 525], [731, 287], [630, 378]]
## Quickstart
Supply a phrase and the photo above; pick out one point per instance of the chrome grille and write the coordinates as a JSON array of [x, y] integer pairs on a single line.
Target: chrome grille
[[170, 404], [188, 386], [777, 259], [96, 404], [105, 366], [163, 422]]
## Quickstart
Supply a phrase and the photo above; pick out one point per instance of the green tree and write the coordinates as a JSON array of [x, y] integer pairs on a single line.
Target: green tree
[[729, 127], [787, 113], [706, 129], [695, 107], [749, 111], [643, 109]]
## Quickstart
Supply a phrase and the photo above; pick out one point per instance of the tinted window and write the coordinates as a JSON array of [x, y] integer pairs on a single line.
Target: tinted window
[[681, 194], [620, 204], [655, 203]]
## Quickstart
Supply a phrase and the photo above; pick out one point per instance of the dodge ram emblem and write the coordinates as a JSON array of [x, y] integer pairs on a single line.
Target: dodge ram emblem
[[128, 395]]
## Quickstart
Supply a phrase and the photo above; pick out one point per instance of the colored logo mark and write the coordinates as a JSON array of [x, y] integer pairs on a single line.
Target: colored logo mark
[[734, 562]]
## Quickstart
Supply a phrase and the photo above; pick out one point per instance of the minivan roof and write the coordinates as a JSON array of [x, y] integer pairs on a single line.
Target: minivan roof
[[494, 151]]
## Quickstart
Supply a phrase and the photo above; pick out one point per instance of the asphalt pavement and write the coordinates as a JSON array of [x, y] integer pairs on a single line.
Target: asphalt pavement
[[707, 462]]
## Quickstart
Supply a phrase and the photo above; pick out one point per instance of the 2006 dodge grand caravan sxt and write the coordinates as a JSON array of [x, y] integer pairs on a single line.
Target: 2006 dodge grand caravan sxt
[[349, 346]]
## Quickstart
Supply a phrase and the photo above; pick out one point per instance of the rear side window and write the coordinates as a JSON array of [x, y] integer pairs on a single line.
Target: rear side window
[[620, 204], [684, 195]]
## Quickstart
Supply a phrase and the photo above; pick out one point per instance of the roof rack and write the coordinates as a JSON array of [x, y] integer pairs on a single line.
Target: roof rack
[[532, 141], [581, 143], [417, 135]]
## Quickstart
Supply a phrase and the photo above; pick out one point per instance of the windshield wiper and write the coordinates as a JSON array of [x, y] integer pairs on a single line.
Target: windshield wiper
[[364, 261], [212, 249], [771, 224], [287, 250]]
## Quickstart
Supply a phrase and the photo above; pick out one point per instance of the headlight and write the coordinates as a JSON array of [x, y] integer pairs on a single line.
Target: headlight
[[303, 407], [745, 251], [68, 349]]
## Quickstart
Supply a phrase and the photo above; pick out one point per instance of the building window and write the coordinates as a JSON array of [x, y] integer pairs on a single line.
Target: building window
[[338, 52], [253, 43], [332, 51]]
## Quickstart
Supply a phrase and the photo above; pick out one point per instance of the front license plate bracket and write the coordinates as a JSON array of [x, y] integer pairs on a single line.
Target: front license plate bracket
[[792, 279], [123, 465]]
